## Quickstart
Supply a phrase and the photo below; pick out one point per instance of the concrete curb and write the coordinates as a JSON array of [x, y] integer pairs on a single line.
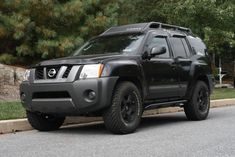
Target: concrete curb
[[8, 126]]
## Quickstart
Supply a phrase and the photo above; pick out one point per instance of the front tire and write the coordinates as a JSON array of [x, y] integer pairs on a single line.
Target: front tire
[[44, 122], [199, 104], [124, 114]]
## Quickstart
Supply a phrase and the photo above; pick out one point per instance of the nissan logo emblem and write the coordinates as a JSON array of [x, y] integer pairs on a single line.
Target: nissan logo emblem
[[51, 73]]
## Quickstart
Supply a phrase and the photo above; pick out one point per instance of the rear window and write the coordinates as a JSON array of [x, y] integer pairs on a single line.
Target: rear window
[[198, 46]]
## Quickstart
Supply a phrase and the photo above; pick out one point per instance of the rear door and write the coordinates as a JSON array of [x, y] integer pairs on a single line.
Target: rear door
[[182, 55]]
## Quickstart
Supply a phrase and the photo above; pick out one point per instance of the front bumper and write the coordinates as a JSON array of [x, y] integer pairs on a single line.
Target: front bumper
[[47, 97]]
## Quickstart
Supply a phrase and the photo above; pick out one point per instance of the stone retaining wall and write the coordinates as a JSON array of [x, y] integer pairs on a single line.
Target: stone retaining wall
[[10, 78]]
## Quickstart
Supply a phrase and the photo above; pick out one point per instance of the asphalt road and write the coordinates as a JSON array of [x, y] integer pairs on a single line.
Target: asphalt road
[[164, 135]]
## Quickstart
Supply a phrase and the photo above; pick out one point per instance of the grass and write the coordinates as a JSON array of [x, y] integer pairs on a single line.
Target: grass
[[11, 110], [223, 93], [14, 110]]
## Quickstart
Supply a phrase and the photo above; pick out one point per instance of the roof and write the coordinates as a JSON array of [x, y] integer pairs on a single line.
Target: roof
[[143, 27]]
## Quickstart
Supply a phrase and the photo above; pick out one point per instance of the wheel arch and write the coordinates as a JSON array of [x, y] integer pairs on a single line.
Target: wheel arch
[[200, 77], [129, 70], [135, 80], [205, 79]]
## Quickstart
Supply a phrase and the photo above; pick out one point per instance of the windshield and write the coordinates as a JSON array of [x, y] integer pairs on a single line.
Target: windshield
[[127, 44]]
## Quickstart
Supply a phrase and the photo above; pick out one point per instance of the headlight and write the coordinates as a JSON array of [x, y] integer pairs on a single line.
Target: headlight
[[91, 71], [26, 75]]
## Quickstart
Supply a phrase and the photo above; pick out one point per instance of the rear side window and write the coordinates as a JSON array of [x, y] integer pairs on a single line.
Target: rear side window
[[197, 45], [178, 47]]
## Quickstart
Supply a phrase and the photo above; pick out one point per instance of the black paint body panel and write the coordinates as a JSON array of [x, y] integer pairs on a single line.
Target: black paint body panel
[[159, 80]]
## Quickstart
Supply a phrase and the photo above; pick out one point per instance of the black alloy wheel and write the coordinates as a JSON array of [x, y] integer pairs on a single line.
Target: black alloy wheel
[[202, 100], [129, 107]]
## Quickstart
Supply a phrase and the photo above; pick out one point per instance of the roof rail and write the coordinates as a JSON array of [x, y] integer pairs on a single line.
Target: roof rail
[[167, 26]]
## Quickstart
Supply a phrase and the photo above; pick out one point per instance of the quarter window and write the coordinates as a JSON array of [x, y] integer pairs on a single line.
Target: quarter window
[[197, 45]]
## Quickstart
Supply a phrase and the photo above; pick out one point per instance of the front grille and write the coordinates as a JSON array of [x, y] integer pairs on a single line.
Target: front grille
[[39, 73], [51, 72], [66, 73], [47, 95]]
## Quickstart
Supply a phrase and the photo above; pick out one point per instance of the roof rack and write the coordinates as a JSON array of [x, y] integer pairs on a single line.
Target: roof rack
[[167, 26], [141, 27], [131, 28]]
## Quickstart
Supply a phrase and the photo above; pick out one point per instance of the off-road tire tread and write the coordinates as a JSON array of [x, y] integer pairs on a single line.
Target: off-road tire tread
[[190, 108], [111, 118]]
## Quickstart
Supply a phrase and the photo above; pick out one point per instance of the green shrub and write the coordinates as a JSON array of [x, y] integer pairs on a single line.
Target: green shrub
[[7, 58]]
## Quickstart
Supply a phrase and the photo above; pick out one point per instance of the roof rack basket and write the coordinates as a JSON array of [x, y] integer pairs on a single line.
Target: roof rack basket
[[167, 26]]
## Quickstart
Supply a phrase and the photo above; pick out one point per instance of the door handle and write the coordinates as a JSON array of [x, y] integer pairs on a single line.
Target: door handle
[[174, 65]]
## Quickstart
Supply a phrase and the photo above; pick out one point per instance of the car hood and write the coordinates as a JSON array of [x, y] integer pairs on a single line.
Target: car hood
[[81, 60]]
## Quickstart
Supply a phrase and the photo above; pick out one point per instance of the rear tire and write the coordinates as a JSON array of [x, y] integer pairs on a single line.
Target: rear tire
[[44, 122], [199, 104], [124, 114]]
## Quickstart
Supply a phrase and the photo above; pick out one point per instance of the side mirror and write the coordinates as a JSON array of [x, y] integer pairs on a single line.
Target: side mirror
[[156, 50]]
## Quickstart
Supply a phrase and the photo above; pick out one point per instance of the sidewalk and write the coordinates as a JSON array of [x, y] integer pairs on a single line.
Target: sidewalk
[[8, 126]]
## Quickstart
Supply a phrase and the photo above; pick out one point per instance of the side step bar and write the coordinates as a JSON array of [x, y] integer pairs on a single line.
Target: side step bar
[[165, 104]]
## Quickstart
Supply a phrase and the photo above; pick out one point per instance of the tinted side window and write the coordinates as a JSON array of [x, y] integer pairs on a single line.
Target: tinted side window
[[178, 48], [197, 45], [186, 48], [159, 41]]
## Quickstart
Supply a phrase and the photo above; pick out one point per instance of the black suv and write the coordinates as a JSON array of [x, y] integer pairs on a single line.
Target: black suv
[[118, 75]]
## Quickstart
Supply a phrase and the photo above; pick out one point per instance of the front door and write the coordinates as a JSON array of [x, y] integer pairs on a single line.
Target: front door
[[160, 72]]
